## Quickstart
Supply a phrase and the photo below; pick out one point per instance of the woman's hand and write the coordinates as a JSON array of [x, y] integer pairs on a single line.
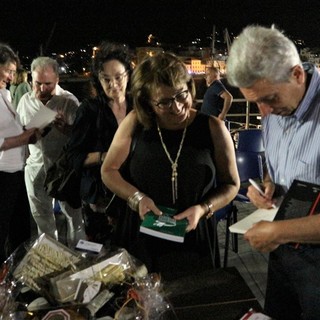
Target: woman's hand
[[193, 215], [146, 204]]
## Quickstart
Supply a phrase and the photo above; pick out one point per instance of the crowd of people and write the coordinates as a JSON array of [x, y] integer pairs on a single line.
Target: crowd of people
[[140, 143]]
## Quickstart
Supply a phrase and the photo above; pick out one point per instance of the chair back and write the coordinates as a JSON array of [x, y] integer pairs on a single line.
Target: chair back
[[249, 166], [250, 140]]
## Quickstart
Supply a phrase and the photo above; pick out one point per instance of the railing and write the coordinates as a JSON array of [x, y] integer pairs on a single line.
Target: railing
[[247, 115]]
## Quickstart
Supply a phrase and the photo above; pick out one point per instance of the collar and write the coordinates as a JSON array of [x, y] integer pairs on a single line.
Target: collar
[[312, 89]]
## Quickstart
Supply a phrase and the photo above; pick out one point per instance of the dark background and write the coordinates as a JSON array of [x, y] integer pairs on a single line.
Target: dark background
[[61, 25]]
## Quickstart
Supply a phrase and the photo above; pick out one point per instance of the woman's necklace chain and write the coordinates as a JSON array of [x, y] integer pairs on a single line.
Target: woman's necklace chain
[[174, 164]]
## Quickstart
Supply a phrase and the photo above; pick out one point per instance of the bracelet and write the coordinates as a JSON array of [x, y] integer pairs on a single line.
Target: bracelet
[[134, 200], [209, 211]]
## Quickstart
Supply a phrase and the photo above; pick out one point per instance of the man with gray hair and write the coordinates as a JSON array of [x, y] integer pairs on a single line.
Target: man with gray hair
[[266, 66], [46, 93]]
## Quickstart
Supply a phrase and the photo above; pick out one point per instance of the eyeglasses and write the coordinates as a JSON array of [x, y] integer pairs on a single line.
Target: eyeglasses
[[180, 97], [10, 72], [118, 79]]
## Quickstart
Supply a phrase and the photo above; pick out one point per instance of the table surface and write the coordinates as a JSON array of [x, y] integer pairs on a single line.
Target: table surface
[[213, 294]]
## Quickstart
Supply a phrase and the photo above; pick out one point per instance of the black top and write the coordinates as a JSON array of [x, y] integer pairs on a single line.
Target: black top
[[150, 171], [93, 130]]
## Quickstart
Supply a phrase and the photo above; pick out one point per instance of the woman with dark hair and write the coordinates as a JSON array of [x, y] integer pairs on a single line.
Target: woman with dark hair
[[96, 123], [183, 160]]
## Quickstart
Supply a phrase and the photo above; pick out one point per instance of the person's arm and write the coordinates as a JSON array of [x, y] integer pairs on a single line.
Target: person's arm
[[227, 101], [226, 167], [267, 236], [115, 158], [28, 136], [81, 139], [226, 175]]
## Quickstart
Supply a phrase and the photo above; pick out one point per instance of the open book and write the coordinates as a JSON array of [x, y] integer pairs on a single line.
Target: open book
[[164, 226], [260, 214]]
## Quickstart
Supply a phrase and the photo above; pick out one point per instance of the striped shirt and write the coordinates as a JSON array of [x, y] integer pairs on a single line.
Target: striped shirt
[[292, 143]]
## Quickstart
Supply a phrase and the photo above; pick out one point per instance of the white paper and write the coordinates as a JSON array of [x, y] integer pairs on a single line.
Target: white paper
[[42, 118], [260, 214]]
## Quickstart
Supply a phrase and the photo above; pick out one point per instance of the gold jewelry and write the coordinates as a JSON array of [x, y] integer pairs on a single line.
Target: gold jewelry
[[134, 200], [209, 211], [174, 164]]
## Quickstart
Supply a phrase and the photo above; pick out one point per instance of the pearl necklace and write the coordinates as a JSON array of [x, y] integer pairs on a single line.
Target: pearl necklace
[[174, 164]]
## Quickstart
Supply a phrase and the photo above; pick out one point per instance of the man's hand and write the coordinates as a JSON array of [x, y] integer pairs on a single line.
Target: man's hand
[[265, 201], [262, 236]]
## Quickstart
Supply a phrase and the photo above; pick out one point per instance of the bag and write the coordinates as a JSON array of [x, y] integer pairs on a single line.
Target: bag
[[62, 182]]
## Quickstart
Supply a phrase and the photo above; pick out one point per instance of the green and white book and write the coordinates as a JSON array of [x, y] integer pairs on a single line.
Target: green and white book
[[164, 226]]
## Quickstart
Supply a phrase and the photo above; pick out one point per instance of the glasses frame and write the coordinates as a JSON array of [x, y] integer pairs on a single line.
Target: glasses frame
[[168, 102], [117, 79]]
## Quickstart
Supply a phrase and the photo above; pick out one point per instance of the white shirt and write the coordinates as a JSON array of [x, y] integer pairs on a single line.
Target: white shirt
[[47, 149], [11, 160]]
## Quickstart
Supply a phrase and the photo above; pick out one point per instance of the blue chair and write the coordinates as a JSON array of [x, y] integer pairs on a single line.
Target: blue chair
[[250, 166], [250, 140]]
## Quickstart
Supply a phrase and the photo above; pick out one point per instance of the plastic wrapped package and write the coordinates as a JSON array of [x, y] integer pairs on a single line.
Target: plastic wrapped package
[[146, 300], [44, 280]]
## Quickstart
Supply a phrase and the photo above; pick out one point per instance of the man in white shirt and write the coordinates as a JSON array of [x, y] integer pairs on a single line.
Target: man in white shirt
[[47, 93], [14, 206]]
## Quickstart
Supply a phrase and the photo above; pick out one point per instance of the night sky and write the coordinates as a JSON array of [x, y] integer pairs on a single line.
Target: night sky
[[60, 25]]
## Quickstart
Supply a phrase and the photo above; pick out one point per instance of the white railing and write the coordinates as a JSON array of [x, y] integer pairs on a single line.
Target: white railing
[[248, 114]]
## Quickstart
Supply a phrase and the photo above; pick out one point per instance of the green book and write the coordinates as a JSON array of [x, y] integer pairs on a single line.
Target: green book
[[164, 226]]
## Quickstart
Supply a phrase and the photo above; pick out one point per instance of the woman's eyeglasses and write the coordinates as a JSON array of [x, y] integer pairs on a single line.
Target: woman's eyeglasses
[[180, 97], [117, 79]]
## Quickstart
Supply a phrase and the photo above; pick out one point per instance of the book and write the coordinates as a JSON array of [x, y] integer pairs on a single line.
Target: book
[[258, 215], [302, 199], [164, 226]]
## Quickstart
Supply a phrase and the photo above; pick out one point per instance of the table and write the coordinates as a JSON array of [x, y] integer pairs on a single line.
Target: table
[[216, 294]]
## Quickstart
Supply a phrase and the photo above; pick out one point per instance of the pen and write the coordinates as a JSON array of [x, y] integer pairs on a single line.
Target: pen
[[257, 187]]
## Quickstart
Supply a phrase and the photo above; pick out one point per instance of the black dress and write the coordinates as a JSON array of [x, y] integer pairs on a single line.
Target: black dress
[[150, 171]]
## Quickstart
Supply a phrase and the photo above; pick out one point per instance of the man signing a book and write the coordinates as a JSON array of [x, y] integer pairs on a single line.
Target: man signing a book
[[266, 66]]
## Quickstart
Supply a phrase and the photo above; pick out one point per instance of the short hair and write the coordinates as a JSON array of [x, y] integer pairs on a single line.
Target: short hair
[[43, 63], [160, 69], [261, 53], [109, 51], [7, 55], [214, 69]]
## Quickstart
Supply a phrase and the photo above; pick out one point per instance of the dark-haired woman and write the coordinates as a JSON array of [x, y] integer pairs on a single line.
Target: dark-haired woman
[[96, 123]]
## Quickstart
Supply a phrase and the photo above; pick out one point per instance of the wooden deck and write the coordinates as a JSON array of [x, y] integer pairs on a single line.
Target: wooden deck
[[251, 264]]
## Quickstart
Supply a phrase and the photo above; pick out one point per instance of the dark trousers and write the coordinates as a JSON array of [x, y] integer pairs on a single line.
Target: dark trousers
[[293, 286], [14, 213]]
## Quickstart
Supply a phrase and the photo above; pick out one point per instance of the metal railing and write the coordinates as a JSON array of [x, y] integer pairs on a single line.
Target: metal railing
[[247, 115]]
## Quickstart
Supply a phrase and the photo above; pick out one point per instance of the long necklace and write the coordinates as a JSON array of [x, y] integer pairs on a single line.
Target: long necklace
[[174, 164]]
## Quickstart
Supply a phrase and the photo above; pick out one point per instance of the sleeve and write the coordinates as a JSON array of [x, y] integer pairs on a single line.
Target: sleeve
[[82, 139]]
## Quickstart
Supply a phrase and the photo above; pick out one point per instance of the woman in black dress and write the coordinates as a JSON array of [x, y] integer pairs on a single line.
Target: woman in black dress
[[182, 159]]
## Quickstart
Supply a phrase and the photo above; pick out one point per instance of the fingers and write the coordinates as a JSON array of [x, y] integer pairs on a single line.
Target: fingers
[[258, 200]]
